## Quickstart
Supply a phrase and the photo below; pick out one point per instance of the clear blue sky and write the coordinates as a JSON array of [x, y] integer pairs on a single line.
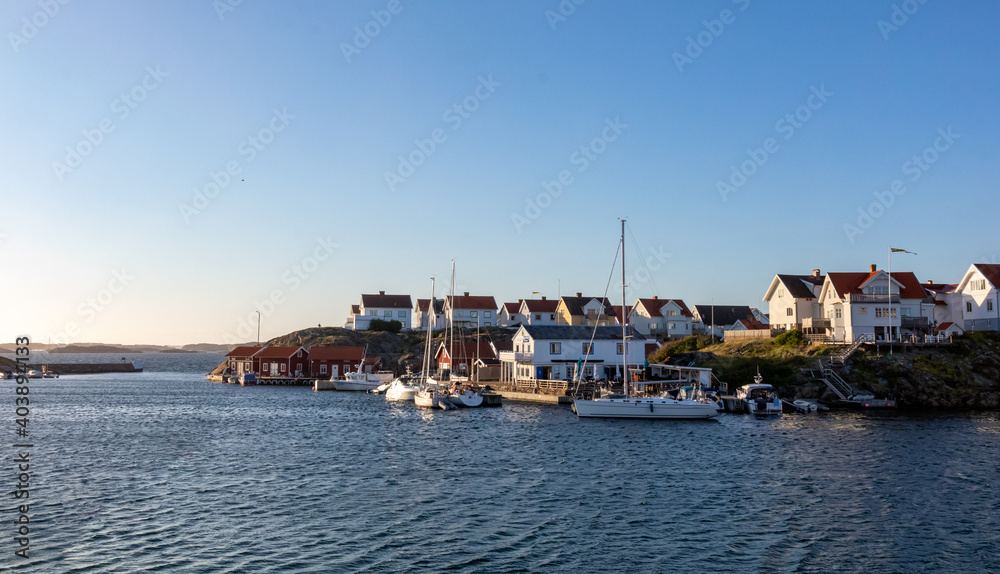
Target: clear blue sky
[[331, 112]]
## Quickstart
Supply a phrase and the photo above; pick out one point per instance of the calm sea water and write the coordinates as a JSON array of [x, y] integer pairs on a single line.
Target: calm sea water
[[163, 471]]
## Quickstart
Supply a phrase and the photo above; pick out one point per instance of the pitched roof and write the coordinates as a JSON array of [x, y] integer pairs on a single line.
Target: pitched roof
[[383, 301], [725, 315], [542, 305], [244, 351], [845, 283], [939, 287], [655, 305], [278, 352], [752, 324], [471, 302], [575, 305], [512, 308], [578, 332], [355, 309], [424, 304], [619, 314], [991, 271], [346, 353], [801, 286], [945, 326], [470, 350]]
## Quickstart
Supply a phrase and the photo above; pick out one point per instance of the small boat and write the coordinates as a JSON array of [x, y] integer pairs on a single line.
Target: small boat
[[248, 379], [433, 395], [464, 397], [803, 406], [356, 381], [33, 374], [400, 390], [760, 398]]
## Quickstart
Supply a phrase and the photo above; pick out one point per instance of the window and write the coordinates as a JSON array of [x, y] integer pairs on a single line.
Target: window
[[862, 309], [979, 285], [487, 313], [555, 348], [372, 312], [281, 368], [989, 305], [788, 311], [781, 293], [838, 313], [905, 311], [246, 365], [673, 326], [322, 369], [880, 290], [671, 312], [621, 349], [588, 348], [486, 324], [387, 314], [401, 314], [652, 325], [552, 316], [968, 306], [474, 314]]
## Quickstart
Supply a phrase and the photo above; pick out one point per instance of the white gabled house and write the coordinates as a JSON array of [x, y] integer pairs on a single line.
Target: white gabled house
[[469, 311], [869, 305], [539, 311], [381, 306], [793, 301], [948, 307], [423, 312], [509, 315], [552, 352], [661, 318], [979, 290]]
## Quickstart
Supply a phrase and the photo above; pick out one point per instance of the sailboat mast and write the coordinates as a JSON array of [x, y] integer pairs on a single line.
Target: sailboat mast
[[451, 324], [431, 317], [624, 317]]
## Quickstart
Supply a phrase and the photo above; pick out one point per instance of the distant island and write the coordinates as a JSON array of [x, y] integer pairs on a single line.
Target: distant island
[[92, 349]]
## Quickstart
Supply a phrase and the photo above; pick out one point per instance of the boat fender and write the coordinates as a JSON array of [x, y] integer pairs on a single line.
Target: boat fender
[[650, 407]]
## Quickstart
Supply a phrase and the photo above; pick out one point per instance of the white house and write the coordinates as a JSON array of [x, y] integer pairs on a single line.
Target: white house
[[423, 308], [469, 311], [539, 311], [582, 310], [509, 314], [948, 306], [381, 306], [661, 318], [793, 301], [979, 290], [552, 352], [868, 305]]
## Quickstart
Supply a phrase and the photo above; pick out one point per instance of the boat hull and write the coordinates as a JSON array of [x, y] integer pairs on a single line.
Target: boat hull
[[644, 408], [355, 385], [466, 400], [400, 392]]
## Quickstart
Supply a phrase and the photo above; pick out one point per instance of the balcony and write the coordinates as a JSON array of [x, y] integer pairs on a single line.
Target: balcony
[[815, 323], [872, 299], [514, 357]]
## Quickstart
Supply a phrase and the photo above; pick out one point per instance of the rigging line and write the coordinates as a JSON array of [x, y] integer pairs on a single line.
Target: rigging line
[[593, 333], [652, 282]]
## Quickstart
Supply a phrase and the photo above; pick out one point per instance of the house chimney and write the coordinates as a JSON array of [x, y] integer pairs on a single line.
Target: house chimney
[[466, 293], [815, 272], [656, 297], [929, 282], [543, 297], [874, 268], [381, 292], [578, 294]]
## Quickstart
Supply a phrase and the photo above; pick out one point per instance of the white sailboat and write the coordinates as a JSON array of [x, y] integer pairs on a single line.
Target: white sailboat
[[431, 393], [401, 388], [626, 406]]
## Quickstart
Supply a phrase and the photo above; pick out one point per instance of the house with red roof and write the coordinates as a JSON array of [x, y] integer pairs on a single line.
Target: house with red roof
[[469, 311], [509, 314], [979, 291], [424, 312], [661, 318], [333, 362], [466, 355], [539, 311], [243, 359], [283, 362], [874, 306], [380, 306]]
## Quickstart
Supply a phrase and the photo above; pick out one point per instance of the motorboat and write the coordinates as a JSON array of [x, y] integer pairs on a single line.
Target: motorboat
[[759, 398], [400, 390], [248, 379], [356, 381]]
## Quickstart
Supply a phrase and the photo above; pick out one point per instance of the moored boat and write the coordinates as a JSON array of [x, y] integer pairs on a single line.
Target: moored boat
[[760, 398]]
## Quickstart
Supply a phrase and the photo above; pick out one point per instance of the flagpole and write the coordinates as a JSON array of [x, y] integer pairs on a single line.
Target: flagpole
[[889, 271]]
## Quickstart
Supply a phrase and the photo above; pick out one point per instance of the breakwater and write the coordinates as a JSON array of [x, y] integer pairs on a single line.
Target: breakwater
[[90, 368]]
